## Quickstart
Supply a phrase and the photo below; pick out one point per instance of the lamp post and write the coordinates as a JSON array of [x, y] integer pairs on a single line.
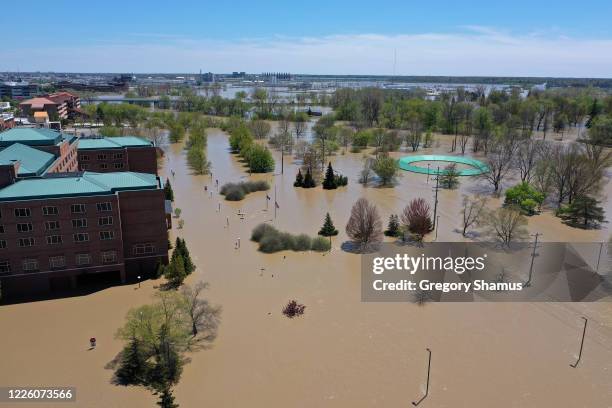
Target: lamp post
[[138, 281], [415, 403], [581, 344]]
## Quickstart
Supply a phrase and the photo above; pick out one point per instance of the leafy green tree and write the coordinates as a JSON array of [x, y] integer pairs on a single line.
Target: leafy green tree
[[525, 197], [259, 159], [386, 168], [584, 211], [168, 192], [600, 132], [393, 228], [328, 229], [449, 177], [197, 160], [329, 183], [180, 248]]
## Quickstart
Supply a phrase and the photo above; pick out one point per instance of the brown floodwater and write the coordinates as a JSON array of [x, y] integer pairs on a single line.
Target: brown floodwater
[[341, 352]]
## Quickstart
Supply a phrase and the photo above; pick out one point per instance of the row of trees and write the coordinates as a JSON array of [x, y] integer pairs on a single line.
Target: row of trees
[[257, 157]]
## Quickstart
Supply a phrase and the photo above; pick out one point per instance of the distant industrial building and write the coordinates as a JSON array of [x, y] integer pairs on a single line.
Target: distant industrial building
[[61, 105], [17, 89], [124, 153]]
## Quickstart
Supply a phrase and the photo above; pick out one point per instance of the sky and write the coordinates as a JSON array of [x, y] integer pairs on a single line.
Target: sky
[[436, 37]]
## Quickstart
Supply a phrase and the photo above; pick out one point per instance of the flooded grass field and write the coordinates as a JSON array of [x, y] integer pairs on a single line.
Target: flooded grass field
[[341, 352]]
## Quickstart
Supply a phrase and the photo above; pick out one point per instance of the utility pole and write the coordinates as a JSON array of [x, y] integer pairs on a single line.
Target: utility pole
[[581, 343], [415, 403], [275, 205], [437, 222], [436, 196], [599, 257], [533, 255]]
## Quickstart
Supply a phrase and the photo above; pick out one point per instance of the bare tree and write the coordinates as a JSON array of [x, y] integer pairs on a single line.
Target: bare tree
[[506, 224], [471, 211], [366, 172], [260, 128], [500, 158], [416, 218], [527, 155], [364, 225], [203, 317]]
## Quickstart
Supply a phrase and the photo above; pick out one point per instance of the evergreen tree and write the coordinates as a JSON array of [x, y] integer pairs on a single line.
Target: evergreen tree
[[166, 399], [584, 211], [308, 180], [393, 228], [175, 271], [593, 112], [133, 368], [168, 191], [168, 364], [299, 179], [181, 249], [329, 183], [328, 229]]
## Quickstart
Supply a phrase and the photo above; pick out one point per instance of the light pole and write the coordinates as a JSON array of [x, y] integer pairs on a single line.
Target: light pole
[[436, 196], [138, 281], [428, 166], [533, 255], [415, 403], [581, 344]]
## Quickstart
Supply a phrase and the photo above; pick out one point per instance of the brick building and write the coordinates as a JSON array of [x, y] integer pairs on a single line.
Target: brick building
[[62, 230], [121, 153], [61, 105]]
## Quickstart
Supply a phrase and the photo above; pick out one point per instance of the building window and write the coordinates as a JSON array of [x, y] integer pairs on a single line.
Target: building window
[[107, 235], [2, 244], [109, 256], [105, 221], [26, 242], [22, 212], [118, 165], [118, 156], [143, 249], [25, 227], [1, 229], [79, 223], [5, 266], [52, 225], [56, 262], [30, 264], [49, 210], [54, 239], [84, 166], [84, 157], [102, 207], [81, 237], [83, 259], [101, 157], [77, 208], [104, 166]]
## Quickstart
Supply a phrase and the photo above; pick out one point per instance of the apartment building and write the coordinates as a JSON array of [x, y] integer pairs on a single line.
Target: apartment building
[[63, 230], [121, 153], [61, 105]]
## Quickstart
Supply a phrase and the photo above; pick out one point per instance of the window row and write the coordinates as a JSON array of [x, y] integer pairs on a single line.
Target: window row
[[103, 156], [57, 239], [55, 225], [53, 210], [59, 261], [102, 166]]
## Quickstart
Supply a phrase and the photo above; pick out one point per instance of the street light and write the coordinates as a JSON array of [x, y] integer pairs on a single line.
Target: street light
[[138, 281]]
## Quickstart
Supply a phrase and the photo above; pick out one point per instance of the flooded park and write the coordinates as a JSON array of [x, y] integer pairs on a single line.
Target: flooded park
[[342, 352]]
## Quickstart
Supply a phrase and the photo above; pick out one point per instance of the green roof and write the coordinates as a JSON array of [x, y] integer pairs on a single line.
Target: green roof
[[32, 162], [32, 137], [87, 184], [117, 142]]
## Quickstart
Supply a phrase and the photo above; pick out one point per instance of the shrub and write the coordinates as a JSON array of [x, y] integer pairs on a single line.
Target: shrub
[[293, 309], [272, 240], [320, 244], [261, 230], [258, 158], [237, 191]]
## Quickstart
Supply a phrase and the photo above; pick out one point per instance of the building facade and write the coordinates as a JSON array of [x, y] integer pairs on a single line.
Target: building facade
[[17, 90], [122, 153], [62, 231]]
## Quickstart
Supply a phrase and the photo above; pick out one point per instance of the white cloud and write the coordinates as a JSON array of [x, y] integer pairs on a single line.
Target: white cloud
[[475, 51]]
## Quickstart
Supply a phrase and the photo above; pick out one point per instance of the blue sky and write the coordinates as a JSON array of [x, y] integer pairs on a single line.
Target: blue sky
[[540, 38]]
